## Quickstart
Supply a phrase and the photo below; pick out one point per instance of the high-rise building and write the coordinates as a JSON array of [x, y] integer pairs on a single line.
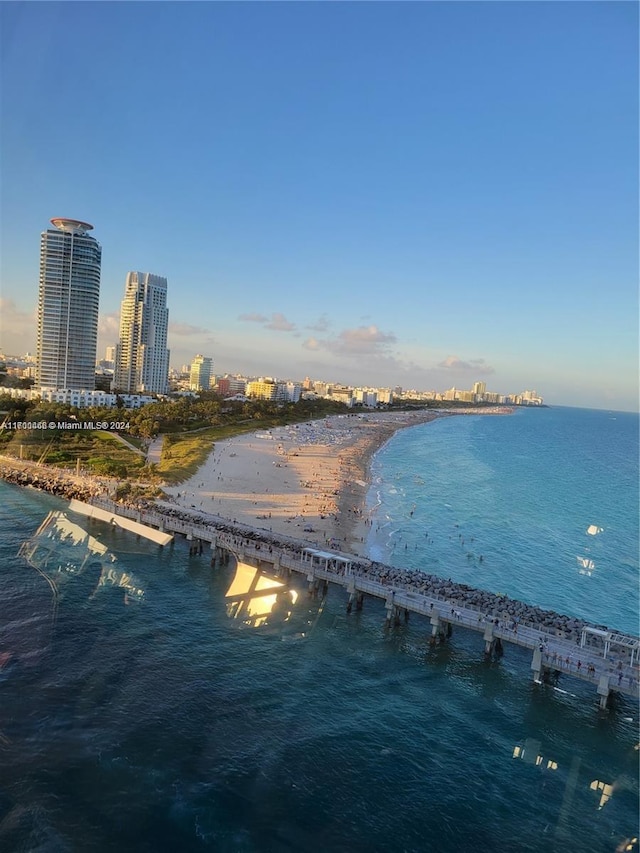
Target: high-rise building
[[200, 373], [142, 357], [68, 296]]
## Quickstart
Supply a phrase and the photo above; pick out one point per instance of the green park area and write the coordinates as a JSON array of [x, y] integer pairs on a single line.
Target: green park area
[[94, 452], [188, 429]]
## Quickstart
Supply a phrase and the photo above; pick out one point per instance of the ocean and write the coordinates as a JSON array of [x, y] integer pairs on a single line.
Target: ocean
[[521, 492], [169, 708]]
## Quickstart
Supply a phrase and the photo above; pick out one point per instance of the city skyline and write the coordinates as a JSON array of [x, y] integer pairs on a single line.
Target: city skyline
[[198, 376], [423, 195]]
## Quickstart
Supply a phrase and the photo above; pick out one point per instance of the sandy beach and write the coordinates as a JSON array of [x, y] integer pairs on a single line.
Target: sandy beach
[[305, 480]]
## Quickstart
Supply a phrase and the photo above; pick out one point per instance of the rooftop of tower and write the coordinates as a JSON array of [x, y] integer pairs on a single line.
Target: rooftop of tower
[[73, 226]]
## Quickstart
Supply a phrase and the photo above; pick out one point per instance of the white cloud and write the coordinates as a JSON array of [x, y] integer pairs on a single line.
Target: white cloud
[[362, 341], [109, 325], [187, 330], [320, 325], [279, 323], [476, 365]]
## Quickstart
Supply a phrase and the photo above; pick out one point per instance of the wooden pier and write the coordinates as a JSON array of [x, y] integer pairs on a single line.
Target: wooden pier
[[606, 659]]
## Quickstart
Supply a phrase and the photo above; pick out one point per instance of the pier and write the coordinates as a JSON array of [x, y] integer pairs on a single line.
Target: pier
[[561, 646], [157, 536]]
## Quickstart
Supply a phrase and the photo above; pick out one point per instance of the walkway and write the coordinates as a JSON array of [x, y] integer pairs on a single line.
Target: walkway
[[587, 656]]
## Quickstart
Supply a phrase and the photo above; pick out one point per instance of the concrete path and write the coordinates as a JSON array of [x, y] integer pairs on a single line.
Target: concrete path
[[126, 443], [155, 450]]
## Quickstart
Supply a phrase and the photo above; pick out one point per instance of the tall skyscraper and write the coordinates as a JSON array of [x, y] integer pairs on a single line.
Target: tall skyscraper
[[200, 373], [142, 357], [68, 296]]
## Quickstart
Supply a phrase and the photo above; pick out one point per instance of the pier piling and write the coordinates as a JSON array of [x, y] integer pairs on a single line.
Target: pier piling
[[536, 664], [603, 691]]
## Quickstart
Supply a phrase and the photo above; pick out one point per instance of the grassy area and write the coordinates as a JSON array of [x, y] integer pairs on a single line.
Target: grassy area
[[134, 441], [94, 451], [101, 453]]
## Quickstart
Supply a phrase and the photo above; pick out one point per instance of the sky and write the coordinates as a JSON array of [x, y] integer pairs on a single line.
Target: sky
[[420, 194]]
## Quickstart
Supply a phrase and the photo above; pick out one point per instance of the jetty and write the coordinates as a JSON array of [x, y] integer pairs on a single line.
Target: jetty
[[561, 646]]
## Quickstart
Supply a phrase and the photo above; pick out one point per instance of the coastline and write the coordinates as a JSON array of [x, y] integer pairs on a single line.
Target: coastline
[[347, 455], [350, 667], [307, 481]]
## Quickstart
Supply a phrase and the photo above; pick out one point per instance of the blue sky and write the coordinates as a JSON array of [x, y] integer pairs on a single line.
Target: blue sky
[[415, 194]]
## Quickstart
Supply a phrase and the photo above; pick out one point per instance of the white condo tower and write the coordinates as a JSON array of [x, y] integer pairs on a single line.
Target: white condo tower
[[68, 296], [142, 357]]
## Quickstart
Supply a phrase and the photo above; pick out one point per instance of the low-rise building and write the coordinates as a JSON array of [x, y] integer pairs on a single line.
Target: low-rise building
[[231, 385], [293, 391], [260, 389], [80, 398]]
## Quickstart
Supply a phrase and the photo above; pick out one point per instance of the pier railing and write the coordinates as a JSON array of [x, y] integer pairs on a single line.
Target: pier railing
[[556, 651]]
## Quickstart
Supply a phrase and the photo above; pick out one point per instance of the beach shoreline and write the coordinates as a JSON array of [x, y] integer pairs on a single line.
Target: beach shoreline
[[309, 480]]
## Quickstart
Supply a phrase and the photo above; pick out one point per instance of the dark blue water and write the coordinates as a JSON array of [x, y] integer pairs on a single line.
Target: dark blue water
[[167, 725]]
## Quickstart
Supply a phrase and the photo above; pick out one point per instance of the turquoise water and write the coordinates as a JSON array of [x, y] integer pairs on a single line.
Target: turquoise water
[[166, 725], [520, 491]]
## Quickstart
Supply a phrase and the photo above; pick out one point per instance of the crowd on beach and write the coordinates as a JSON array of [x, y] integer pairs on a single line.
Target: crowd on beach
[[66, 485], [304, 478], [507, 613]]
